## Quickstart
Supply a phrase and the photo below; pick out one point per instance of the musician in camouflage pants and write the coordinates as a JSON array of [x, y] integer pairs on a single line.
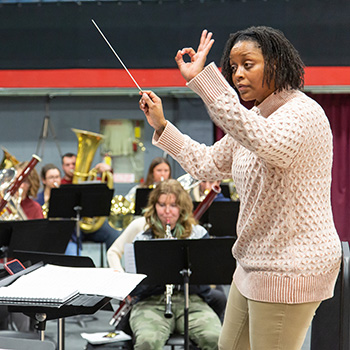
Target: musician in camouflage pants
[[150, 327]]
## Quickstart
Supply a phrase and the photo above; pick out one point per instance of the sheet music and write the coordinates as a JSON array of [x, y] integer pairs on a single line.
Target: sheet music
[[129, 258], [52, 282], [32, 288]]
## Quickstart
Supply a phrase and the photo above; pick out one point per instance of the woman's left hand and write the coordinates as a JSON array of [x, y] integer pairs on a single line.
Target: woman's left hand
[[190, 69]]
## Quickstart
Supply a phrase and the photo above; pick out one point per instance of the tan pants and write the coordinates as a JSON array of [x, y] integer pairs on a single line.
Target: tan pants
[[252, 325]]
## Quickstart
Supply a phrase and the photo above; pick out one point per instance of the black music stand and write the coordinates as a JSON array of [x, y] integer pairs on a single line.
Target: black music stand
[[188, 261], [42, 235], [141, 199], [83, 304], [220, 219], [76, 201], [5, 237]]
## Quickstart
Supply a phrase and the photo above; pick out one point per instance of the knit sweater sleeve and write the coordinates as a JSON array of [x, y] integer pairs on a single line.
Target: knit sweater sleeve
[[201, 161], [276, 139]]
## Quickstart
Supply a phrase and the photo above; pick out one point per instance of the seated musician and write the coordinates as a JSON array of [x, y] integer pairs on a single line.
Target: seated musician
[[170, 205], [28, 192], [30, 210], [51, 178], [199, 192], [158, 170]]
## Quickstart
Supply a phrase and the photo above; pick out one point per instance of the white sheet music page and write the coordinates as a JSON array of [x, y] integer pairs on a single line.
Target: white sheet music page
[[129, 258], [51, 281], [37, 287]]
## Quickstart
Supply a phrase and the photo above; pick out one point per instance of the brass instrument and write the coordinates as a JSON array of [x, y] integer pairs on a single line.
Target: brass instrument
[[8, 160], [13, 210], [122, 213], [88, 143], [45, 206], [7, 176], [188, 182], [232, 187], [9, 185]]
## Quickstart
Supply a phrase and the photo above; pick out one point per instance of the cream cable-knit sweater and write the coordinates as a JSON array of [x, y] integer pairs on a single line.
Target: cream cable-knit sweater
[[279, 155]]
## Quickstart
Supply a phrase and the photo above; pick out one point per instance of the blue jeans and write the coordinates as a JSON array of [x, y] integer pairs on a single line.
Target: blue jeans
[[72, 249], [105, 234]]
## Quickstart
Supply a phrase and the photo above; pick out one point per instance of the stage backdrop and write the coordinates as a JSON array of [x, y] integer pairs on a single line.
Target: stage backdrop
[[59, 45]]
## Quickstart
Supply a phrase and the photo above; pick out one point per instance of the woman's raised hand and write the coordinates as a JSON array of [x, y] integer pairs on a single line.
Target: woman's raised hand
[[152, 106], [190, 69]]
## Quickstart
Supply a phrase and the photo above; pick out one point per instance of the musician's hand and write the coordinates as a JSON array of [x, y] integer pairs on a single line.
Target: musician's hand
[[152, 106], [102, 167], [190, 69]]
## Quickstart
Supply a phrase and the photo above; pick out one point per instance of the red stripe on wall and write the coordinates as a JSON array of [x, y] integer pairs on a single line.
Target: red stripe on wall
[[89, 78], [327, 76], [146, 78]]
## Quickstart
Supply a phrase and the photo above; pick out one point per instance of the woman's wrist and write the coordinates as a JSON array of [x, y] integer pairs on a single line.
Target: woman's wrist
[[160, 130]]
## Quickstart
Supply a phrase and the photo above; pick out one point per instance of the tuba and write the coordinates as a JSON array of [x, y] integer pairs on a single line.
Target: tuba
[[88, 143]]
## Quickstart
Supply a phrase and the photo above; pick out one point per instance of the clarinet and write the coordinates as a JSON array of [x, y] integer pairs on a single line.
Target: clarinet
[[168, 287]]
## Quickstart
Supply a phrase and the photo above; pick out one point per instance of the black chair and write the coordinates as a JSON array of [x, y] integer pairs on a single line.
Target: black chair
[[178, 340]]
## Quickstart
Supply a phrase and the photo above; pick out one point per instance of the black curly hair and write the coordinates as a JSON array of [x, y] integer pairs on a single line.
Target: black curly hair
[[282, 61]]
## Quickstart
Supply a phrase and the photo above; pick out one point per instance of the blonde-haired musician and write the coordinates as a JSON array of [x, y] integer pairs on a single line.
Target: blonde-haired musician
[[170, 205]]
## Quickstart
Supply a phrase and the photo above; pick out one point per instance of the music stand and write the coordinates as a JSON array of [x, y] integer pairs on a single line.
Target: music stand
[[42, 235], [188, 261], [220, 219], [49, 236], [5, 237], [78, 200], [88, 304], [141, 199]]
